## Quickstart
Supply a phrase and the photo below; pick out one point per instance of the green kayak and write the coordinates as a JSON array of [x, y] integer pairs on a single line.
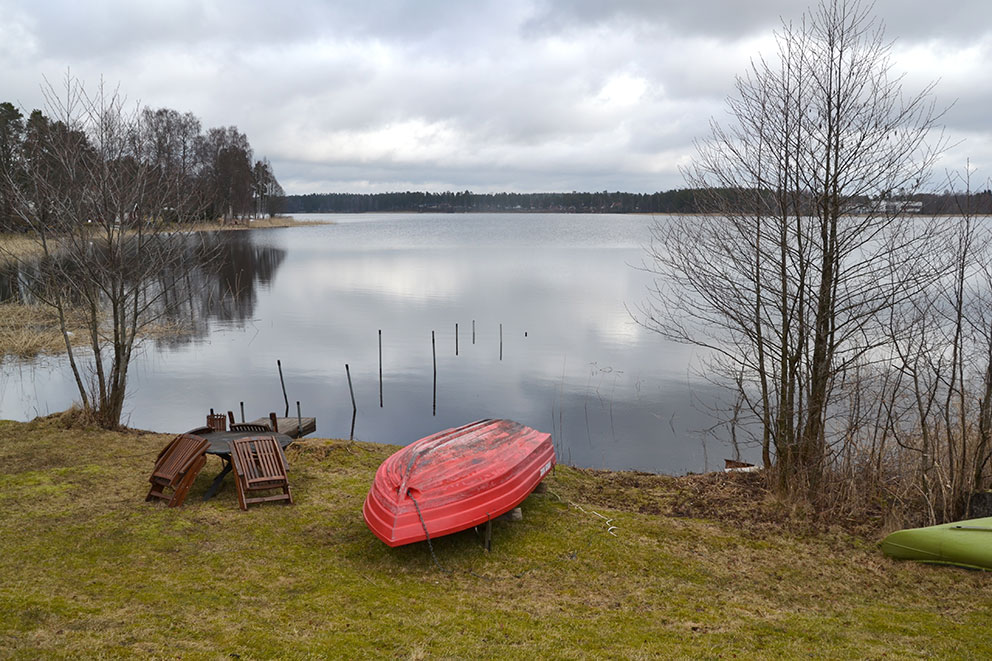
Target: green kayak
[[963, 543]]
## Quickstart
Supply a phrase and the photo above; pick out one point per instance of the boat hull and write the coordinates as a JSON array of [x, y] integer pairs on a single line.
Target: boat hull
[[962, 543], [456, 479]]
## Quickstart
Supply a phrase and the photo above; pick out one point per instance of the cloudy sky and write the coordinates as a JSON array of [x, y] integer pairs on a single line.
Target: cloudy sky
[[516, 95]]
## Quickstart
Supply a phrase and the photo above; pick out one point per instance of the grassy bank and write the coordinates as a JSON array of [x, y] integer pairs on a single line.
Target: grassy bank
[[256, 223], [89, 569], [18, 246], [29, 330]]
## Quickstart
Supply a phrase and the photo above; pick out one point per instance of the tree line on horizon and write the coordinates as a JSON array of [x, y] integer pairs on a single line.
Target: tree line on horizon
[[683, 200]]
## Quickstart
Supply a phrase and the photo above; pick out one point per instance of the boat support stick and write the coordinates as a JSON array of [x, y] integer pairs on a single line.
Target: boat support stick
[[427, 534]]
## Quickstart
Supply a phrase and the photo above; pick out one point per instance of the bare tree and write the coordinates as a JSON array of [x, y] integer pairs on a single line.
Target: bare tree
[[942, 361], [93, 194], [171, 147], [787, 282], [226, 160], [266, 190]]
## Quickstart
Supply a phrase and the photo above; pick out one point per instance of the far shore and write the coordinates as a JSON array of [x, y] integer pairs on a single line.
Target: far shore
[[256, 224], [14, 246]]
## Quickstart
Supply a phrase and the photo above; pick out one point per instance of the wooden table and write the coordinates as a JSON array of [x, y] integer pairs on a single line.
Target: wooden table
[[220, 446]]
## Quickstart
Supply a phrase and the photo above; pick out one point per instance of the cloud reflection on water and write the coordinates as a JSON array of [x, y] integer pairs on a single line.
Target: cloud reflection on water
[[574, 362]]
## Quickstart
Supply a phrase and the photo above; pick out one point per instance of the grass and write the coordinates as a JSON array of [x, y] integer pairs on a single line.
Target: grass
[[88, 569], [29, 330], [15, 246], [256, 223]]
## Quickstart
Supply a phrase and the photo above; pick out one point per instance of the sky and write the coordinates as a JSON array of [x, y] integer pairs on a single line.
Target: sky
[[487, 95]]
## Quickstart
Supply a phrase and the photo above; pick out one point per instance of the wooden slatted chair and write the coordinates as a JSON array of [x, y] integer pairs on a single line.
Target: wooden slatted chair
[[217, 421], [176, 467], [259, 465], [249, 427]]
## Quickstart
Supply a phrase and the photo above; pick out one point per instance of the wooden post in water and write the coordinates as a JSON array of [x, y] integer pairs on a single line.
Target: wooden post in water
[[501, 341], [242, 411], [456, 338], [299, 420], [354, 407], [380, 368], [283, 383], [473, 331]]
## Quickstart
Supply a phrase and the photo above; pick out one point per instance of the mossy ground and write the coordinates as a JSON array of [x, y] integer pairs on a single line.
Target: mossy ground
[[88, 569]]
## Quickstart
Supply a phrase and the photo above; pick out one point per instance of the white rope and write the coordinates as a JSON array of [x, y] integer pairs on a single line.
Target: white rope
[[610, 528]]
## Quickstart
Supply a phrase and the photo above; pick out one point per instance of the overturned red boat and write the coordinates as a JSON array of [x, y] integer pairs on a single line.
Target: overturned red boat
[[456, 479]]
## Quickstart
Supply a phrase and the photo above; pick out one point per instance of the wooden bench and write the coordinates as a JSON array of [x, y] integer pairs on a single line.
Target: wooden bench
[[259, 465], [176, 467]]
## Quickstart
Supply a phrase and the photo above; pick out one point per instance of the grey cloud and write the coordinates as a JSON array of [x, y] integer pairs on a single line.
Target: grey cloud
[[736, 19], [527, 95]]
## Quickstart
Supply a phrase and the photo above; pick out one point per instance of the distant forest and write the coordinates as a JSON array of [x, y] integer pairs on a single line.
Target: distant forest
[[673, 201]]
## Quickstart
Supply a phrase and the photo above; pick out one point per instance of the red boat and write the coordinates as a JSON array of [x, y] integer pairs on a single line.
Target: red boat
[[457, 479]]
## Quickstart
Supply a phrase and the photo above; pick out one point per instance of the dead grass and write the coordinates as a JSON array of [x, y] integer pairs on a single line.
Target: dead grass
[[18, 246], [29, 330], [256, 223], [15, 246], [91, 570]]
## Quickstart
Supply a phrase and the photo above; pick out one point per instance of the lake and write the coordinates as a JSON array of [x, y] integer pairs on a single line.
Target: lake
[[544, 337]]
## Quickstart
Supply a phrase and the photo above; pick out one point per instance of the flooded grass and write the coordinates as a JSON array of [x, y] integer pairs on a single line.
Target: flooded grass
[[18, 246], [91, 570], [29, 330]]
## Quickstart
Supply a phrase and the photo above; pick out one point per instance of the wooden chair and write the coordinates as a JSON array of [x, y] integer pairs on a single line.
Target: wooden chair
[[217, 421], [176, 467], [250, 427], [259, 465]]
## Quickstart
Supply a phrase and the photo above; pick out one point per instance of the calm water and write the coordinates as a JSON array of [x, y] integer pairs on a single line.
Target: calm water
[[573, 361]]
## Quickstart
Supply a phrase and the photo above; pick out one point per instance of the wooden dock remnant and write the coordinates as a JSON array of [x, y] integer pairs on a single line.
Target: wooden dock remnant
[[290, 426]]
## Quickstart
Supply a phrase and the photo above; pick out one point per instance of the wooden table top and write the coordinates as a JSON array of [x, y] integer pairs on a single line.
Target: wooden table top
[[220, 440]]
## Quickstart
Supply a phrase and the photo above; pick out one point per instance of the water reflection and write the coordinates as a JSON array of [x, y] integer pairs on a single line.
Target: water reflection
[[224, 287], [221, 287], [573, 362]]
